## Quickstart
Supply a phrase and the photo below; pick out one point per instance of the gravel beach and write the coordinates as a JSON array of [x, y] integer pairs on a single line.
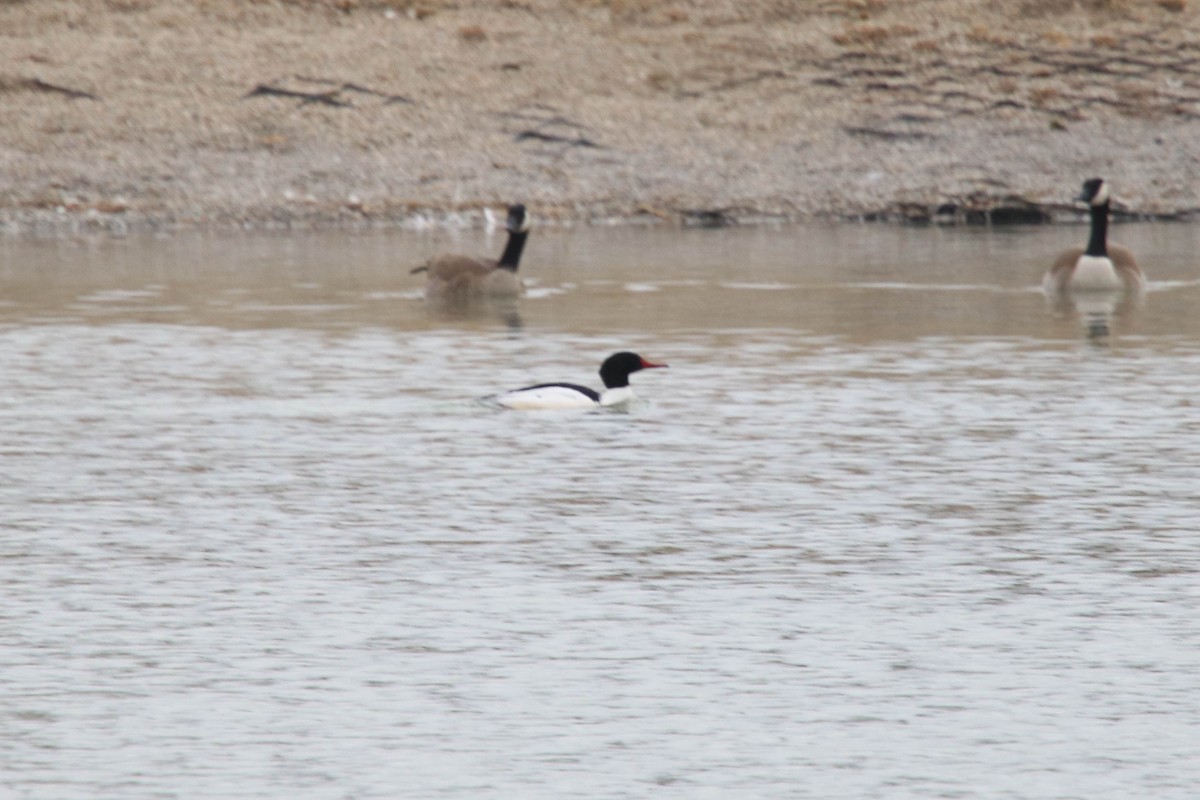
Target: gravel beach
[[141, 115]]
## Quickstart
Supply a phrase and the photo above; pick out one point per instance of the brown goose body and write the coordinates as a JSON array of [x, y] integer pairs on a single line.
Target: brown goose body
[[457, 278], [1063, 269]]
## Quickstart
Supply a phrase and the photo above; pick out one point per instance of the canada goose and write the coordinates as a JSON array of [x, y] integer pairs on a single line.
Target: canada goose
[[455, 277], [1100, 266], [615, 372]]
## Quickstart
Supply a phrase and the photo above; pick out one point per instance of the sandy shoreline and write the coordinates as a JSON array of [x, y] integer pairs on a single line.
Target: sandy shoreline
[[164, 114]]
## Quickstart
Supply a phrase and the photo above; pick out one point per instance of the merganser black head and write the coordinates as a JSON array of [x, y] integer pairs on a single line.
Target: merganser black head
[[617, 368]]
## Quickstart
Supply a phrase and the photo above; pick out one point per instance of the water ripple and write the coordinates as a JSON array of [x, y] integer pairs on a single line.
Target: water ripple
[[275, 559]]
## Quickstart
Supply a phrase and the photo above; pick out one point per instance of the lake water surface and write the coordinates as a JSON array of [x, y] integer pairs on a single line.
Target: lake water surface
[[891, 525]]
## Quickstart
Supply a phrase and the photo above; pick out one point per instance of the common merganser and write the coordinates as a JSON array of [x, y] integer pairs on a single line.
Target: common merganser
[[455, 277], [615, 372], [1100, 266]]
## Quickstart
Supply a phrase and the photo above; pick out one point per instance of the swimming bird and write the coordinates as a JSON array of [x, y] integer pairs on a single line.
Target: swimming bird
[[455, 277], [1100, 266], [614, 372]]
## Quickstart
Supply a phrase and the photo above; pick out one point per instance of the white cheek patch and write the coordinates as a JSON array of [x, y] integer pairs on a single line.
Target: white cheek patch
[[1102, 195]]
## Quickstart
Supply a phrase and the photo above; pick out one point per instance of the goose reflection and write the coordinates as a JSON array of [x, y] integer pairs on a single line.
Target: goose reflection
[[486, 309], [1098, 311]]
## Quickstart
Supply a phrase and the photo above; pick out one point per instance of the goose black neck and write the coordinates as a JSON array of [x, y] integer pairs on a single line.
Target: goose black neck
[[511, 258], [1098, 242]]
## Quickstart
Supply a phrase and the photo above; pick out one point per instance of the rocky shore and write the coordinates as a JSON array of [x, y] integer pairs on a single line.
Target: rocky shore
[[139, 115]]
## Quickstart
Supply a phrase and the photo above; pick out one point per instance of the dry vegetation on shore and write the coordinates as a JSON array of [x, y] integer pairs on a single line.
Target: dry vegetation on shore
[[128, 114]]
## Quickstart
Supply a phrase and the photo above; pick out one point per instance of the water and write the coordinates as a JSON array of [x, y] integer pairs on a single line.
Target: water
[[889, 526]]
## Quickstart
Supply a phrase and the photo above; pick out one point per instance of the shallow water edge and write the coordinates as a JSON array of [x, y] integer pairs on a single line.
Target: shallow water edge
[[353, 218]]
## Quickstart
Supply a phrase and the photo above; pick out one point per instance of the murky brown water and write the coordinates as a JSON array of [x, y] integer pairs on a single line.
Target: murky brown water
[[890, 526]]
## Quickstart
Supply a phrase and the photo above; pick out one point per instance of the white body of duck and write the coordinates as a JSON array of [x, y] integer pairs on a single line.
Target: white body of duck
[[614, 372]]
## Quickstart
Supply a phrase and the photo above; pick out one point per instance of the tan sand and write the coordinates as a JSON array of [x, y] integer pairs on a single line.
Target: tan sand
[[588, 110]]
